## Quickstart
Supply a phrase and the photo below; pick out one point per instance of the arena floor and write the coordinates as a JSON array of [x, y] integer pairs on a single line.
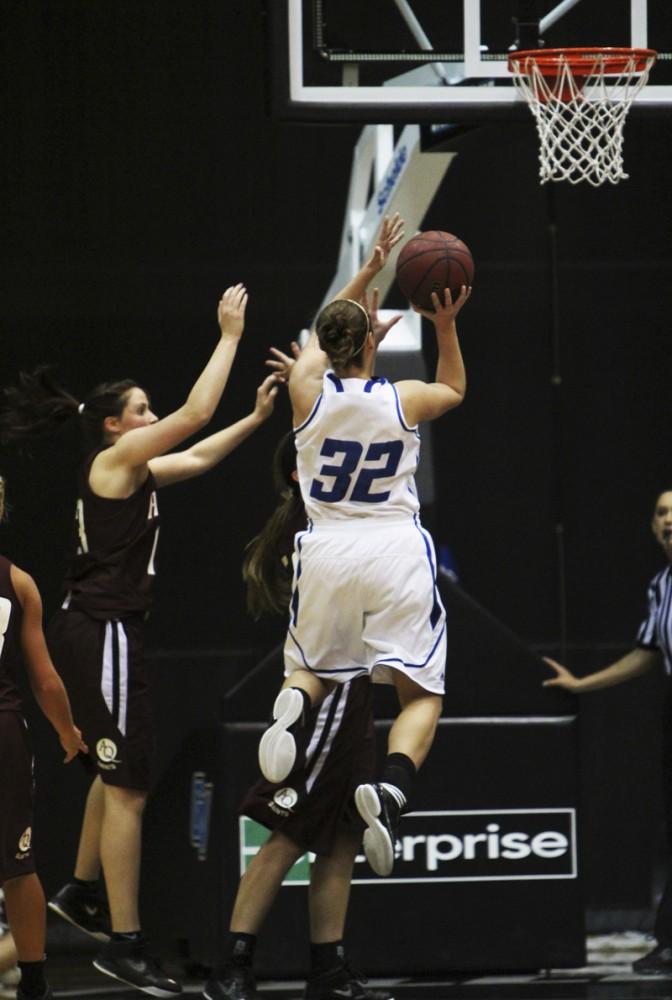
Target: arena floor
[[73, 977], [575, 986]]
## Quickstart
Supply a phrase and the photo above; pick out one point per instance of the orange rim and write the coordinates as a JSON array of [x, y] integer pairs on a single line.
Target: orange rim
[[582, 60]]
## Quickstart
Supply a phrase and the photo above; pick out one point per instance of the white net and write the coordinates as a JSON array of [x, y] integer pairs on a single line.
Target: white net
[[580, 112]]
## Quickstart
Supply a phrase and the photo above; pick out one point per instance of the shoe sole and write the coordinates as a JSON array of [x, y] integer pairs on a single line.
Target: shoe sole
[[277, 747], [98, 935], [378, 847], [153, 991]]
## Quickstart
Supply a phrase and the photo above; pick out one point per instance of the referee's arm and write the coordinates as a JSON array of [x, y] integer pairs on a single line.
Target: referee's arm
[[638, 661]]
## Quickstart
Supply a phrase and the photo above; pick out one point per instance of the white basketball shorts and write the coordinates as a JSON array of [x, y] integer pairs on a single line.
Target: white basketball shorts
[[365, 600]]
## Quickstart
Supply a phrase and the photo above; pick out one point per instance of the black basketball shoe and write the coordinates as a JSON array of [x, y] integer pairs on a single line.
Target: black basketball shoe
[[277, 747], [380, 811], [83, 909], [235, 982], [342, 983], [128, 962], [657, 963]]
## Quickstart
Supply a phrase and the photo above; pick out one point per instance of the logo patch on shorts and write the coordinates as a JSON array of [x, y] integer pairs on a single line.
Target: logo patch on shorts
[[106, 751], [284, 801], [25, 841]]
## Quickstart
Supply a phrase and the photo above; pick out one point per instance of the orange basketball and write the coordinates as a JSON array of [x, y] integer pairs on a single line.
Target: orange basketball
[[431, 262]]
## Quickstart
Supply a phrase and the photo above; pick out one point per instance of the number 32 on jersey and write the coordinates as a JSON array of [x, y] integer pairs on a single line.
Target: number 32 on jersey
[[351, 468]]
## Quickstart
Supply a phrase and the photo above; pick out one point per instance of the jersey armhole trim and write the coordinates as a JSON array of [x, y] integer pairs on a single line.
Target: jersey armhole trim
[[311, 415], [400, 412]]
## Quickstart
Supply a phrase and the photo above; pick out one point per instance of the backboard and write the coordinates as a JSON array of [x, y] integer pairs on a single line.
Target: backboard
[[441, 60]]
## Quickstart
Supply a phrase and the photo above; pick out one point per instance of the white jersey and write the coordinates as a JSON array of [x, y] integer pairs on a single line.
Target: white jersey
[[356, 456]]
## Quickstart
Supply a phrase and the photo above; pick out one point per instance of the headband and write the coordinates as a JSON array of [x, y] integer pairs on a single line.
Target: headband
[[360, 306], [368, 326]]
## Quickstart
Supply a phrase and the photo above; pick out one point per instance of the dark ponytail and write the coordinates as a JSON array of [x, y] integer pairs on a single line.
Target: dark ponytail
[[38, 405], [267, 564], [34, 407]]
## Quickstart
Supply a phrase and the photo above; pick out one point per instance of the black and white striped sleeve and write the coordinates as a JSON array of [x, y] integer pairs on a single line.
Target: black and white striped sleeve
[[657, 595]]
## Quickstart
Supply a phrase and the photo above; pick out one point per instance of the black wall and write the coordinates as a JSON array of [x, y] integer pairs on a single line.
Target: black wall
[[144, 176]]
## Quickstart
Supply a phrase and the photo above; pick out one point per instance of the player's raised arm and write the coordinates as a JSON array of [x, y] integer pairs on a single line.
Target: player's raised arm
[[305, 376], [137, 445], [429, 400], [379, 328], [391, 232], [205, 454]]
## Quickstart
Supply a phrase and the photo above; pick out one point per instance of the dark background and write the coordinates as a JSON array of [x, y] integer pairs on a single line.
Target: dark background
[[143, 175]]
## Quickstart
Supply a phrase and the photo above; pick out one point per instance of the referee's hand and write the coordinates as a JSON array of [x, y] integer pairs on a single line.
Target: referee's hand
[[564, 678]]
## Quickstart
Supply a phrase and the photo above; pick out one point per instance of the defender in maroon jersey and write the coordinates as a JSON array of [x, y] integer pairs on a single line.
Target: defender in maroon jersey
[[22, 644], [97, 636], [314, 809]]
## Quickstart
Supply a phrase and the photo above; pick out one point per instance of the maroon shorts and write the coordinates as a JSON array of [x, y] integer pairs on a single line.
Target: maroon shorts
[[16, 797], [101, 663], [315, 804]]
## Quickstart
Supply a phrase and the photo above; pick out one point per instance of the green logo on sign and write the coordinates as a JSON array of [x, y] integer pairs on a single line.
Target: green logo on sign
[[252, 838]]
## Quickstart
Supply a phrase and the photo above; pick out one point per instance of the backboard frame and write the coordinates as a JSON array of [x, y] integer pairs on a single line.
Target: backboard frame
[[291, 98]]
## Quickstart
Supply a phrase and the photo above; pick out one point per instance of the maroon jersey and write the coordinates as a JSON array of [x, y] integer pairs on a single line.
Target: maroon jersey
[[11, 617], [112, 566]]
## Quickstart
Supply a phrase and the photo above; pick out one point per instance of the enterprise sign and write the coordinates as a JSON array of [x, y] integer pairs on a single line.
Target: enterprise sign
[[470, 845]]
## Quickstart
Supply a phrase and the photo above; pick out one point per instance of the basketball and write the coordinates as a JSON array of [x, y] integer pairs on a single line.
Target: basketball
[[431, 262]]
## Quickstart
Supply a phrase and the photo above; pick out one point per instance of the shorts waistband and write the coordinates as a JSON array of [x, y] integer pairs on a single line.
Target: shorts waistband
[[359, 524]]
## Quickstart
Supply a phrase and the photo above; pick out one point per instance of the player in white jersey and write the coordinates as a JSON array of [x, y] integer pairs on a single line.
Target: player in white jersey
[[364, 597]]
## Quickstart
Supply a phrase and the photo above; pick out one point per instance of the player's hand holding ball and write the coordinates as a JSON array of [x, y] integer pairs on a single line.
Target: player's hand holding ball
[[443, 313]]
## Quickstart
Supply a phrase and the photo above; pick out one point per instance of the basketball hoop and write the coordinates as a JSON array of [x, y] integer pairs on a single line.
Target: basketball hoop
[[580, 99]]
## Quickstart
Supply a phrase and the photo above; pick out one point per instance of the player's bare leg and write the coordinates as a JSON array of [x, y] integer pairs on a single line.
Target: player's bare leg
[[79, 901], [328, 896], [414, 728], [317, 688], [380, 805], [26, 913], [261, 882], [329, 891], [234, 976], [87, 865], [125, 956], [120, 847]]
